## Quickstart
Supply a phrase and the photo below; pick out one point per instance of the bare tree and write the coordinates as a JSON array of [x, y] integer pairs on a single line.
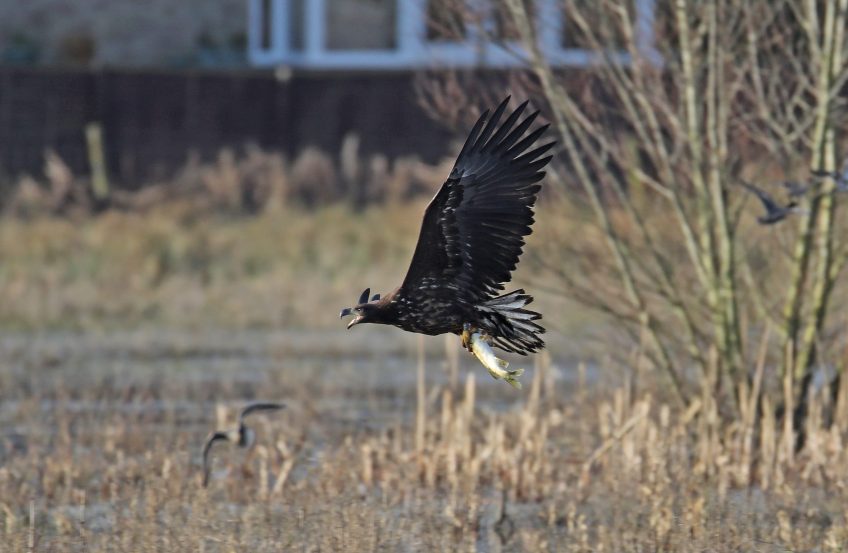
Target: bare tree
[[655, 141]]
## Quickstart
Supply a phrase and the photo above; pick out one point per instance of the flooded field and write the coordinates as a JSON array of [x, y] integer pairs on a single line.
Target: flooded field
[[100, 450]]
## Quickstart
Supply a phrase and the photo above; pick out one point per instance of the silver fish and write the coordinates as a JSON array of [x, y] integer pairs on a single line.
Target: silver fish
[[478, 344]]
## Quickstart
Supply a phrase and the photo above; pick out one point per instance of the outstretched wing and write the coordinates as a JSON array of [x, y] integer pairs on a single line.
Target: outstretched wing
[[474, 228], [839, 177], [256, 407], [766, 199], [211, 439]]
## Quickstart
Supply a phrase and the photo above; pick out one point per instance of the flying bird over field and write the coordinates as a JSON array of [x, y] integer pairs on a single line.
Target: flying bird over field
[[242, 435], [774, 211], [470, 241]]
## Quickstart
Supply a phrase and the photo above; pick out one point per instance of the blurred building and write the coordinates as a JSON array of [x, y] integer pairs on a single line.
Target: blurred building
[[317, 34], [166, 79], [403, 34]]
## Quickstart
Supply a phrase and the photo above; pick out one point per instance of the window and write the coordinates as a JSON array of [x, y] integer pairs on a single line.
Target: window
[[361, 24], [400, 34], [504, 22], [605, 21], [446, 20], [266, 13], [295, 21]]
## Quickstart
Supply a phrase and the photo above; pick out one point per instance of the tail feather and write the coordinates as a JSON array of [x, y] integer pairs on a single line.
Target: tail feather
[[511, 326]]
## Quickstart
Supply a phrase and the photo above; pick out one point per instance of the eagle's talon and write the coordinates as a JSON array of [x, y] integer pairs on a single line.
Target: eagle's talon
[[465, 336]]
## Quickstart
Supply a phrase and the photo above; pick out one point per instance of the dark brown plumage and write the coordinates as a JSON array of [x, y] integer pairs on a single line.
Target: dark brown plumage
[[471, 239]]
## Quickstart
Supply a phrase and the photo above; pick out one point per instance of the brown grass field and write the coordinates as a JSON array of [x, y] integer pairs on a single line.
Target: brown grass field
[[129, 336], [102, 434]]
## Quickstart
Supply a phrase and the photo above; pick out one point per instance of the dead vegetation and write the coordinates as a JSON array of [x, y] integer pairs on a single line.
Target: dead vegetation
[[101, 448], [229, 243], [109, 461], [237, 182]]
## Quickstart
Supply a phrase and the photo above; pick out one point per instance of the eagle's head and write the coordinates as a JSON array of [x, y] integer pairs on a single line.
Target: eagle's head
[[365, 311]]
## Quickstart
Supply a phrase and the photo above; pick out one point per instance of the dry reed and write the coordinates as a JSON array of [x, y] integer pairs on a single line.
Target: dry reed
[[110, 463]]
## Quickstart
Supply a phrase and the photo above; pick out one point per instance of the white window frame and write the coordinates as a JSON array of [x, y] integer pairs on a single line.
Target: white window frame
[[414, 50]]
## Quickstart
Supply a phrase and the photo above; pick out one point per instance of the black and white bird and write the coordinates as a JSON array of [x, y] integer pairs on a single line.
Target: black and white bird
[[243, 436], [775, 212], [840, 178], [471, 239]]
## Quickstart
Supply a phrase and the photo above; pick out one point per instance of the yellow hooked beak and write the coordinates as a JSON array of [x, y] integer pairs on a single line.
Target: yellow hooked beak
[[349, 311], [355, 321]]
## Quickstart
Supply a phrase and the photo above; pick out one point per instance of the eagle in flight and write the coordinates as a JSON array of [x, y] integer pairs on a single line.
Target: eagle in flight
[[470, 240]]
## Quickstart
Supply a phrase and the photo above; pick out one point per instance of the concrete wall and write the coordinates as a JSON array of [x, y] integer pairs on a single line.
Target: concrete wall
[[166, 33], [120, 32]]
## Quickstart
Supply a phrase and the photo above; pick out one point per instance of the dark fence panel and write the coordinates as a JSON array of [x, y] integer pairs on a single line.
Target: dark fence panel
[[152, 121]]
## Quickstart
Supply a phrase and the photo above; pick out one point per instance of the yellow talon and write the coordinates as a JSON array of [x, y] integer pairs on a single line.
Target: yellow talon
[[466, 338]]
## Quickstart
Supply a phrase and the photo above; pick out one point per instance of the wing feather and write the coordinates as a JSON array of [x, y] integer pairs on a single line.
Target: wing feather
[[491, 125], [473, 230], [519, 131], [508, 124]]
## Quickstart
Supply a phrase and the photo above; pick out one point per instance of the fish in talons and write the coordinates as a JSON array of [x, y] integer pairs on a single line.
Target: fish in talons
[[480, 345]]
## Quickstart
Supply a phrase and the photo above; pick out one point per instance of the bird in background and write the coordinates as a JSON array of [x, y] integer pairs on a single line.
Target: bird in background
[[775, 212], [243, 436], [470, 241], [840, 178], [795, 189]]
